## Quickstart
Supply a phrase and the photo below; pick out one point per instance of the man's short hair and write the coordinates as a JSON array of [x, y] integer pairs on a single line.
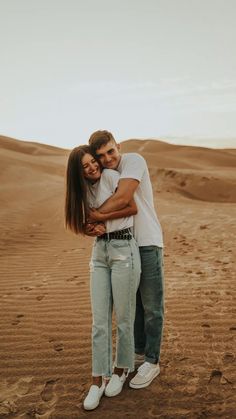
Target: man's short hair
[[100, 138]]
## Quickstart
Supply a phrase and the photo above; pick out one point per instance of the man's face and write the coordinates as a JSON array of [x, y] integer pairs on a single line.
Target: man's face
[[109, 155]]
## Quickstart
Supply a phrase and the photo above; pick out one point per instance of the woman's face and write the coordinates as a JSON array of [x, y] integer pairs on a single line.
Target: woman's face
[[92, 170]]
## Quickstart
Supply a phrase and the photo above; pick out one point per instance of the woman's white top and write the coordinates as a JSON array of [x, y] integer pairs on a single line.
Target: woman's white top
[[100, 191]]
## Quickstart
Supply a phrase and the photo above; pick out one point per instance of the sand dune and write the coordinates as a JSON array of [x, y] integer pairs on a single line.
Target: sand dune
[[44, 288], [28, 147], [164, 155], [194, 172]]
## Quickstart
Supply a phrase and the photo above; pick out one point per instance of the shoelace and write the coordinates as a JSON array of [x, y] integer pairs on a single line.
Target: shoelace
[[144, 369]]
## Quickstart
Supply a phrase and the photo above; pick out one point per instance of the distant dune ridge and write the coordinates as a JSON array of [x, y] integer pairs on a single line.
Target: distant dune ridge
[[45, 323], [196, 172]]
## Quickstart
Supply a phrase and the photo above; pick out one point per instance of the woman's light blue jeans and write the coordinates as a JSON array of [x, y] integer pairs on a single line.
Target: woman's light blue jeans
[[114, 280]]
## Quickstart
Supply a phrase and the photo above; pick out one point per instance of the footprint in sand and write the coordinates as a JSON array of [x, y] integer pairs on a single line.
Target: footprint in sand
[[215, 377], [44, 408], [228, 358], [40, 297], [48, 393], [72, 278], [49, 400], [6, 295], [26, 288], [57, 346], [80, 283], [10, 393], [17, 319], [38, 412], [46, 415]]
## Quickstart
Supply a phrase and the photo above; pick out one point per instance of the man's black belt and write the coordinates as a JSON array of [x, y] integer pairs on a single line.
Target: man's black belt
[[125, 234]]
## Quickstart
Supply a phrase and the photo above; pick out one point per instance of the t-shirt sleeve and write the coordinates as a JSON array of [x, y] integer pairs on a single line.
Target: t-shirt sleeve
[[133, 167], [111, 179]]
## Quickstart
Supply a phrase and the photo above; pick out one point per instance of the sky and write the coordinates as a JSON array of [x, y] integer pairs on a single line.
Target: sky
[[163, 69]]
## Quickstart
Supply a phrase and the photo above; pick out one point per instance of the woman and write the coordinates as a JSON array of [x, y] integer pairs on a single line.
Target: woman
[[114, 270]]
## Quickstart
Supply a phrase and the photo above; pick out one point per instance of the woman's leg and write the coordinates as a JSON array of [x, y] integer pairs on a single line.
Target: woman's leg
[[101, 302], [124, 258]]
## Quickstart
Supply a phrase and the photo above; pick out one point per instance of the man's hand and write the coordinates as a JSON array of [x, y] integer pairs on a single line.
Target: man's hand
[[94, 229]]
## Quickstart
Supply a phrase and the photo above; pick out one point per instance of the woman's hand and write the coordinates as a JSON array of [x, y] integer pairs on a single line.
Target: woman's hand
[[100, 229], [94, 229], [94, 215]]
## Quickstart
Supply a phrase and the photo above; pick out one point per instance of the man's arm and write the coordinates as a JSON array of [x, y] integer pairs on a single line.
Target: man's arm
[[130, 209], [122, 197]]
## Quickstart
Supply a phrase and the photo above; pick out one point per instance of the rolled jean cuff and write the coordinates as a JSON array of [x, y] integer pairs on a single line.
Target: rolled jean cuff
[[98, 375], [151, 360]]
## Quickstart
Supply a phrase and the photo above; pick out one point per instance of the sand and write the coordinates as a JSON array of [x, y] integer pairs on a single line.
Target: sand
[[45, 324]]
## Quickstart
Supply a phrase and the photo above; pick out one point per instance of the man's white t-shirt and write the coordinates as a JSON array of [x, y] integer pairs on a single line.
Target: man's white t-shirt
[[147, 228], [103, 189]]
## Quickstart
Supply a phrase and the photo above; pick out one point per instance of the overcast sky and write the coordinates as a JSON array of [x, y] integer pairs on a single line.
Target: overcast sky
[[139, 68]]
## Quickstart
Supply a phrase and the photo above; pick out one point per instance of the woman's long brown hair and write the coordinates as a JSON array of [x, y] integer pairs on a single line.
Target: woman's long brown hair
[[76, 204]]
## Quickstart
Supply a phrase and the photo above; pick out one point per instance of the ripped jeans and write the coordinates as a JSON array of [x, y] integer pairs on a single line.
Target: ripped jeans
[[114, 280]]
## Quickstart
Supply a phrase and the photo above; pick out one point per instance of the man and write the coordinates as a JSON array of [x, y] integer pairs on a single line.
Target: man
[[135, 182]]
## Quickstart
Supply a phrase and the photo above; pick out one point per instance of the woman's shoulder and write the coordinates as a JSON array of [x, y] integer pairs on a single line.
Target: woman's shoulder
[[110, 178]]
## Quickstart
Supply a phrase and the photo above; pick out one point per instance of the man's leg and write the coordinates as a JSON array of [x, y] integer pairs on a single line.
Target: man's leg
[[139, 332], [151, 291], [152, 295]]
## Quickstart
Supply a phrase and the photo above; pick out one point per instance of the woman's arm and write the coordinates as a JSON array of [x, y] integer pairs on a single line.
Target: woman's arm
[[130, 209]]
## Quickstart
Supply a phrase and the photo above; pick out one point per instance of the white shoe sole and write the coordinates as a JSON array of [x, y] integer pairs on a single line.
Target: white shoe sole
[[92, 407], [114, 394], [143, 385]]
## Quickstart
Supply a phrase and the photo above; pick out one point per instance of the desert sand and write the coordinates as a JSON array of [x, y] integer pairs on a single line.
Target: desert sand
[[45, 324]]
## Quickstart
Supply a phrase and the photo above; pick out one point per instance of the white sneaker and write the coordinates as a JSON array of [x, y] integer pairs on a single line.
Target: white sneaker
[[115, 384], [146, 373], [93, 398]]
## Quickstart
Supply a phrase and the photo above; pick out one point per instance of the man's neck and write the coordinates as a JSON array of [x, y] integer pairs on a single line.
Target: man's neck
[[119, 162]]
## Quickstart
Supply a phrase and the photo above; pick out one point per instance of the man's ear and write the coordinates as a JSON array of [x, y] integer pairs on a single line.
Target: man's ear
[[118, 146]]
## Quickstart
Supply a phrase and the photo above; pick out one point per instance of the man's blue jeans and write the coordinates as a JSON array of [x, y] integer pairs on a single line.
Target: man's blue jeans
[[149, 317]]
